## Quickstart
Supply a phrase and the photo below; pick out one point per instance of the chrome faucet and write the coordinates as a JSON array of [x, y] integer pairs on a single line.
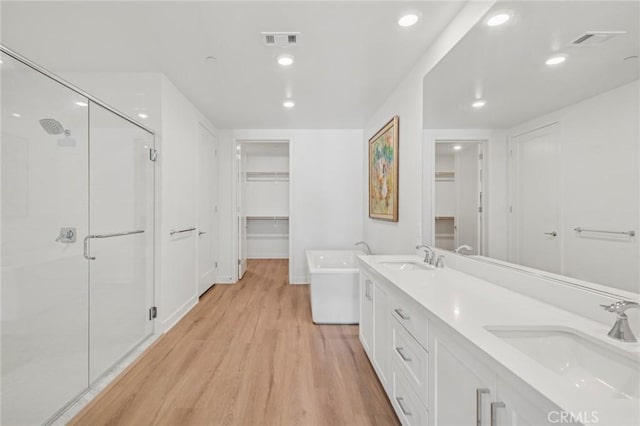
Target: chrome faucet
[[429, 255], [365, 245], [621, 330], [463, 247]]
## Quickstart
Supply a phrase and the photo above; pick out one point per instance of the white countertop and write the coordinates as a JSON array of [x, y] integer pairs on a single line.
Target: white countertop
[[468, 304]]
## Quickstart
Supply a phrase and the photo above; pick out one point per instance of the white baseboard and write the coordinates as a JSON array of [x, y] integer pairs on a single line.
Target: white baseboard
[[172, 320], [301, 279]]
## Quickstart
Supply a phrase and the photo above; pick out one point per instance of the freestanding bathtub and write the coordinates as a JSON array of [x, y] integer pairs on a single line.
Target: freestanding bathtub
[[334, 286]]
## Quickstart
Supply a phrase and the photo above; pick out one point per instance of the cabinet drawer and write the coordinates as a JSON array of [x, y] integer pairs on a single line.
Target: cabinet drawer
[[412, 359], [410, 411], [412, 317]]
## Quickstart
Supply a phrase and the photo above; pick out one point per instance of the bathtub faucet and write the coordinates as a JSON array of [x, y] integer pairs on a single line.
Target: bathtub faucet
[[366, 246]]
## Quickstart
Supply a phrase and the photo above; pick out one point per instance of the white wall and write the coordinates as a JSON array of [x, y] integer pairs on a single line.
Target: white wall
[[326, 192], [406, 102], [178, 198], [600, 181]]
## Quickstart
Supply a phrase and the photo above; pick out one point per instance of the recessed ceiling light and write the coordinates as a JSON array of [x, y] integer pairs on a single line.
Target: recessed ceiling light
[[82, 104], [408, 20], [498, 19], [288, 104], [142, 115], [555, 60], [16, 115], [285, 60], [479, 103], [457, 147]]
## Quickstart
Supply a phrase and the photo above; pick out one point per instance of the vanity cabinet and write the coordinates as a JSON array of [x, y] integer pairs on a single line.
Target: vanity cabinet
[[434, 376]]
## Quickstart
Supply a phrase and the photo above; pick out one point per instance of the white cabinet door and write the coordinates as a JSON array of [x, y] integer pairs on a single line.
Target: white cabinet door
[[366, 313], [381, 332], [525, 407], [463, 387]]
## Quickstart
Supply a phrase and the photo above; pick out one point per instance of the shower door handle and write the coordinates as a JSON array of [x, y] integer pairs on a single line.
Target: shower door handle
[[85, 242], [85, 248]]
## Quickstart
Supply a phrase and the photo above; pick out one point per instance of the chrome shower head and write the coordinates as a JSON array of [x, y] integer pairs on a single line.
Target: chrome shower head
[[51, 126]]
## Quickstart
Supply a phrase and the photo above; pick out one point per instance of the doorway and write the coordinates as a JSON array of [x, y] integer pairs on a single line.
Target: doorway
[[459, 209], [263, 201]]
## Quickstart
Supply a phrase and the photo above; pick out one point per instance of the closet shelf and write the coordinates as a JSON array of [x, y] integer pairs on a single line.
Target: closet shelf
[[268, 236], [268, 176], [262, 217], [445, 218]]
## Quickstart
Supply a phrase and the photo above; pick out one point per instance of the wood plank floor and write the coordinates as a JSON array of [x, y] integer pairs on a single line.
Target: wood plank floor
[[248, 354]]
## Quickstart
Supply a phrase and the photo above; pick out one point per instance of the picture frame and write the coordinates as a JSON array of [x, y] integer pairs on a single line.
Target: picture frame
[[383, 172]]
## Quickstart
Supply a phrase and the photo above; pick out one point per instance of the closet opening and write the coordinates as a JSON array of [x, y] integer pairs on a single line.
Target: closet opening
[[263, 201]]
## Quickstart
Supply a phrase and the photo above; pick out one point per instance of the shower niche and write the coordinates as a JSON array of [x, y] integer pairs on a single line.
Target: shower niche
[[77, 241]]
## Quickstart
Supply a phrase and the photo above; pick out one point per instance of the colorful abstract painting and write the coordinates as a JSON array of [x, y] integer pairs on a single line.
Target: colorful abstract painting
[[383, 172]]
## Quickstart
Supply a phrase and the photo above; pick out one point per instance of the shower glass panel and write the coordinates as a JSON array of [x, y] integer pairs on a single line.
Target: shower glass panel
[[121, 239], [44, 213]]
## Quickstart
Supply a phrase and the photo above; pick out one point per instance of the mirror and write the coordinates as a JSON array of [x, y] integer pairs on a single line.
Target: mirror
[[531, 141]]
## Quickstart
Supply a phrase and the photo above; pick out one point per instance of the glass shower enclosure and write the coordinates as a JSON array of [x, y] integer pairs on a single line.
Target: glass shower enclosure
[[77, 245]]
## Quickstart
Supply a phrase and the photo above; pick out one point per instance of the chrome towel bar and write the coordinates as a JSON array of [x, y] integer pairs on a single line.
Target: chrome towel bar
[[173, 232], [85, 242], [629, 233]]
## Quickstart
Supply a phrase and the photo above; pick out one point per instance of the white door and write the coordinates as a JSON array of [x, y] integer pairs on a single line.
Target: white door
[[207, 195], [242, 216], [536, 170], [467, 219]]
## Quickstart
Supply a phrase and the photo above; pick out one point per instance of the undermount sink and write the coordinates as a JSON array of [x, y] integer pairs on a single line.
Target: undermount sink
[[592, 367], [405, 266]]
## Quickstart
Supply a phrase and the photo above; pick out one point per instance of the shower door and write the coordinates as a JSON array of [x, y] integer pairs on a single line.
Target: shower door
[[44, 213], [77, 242], [120, 243]]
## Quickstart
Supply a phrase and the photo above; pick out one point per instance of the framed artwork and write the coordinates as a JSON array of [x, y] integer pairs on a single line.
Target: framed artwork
[[383, 172]]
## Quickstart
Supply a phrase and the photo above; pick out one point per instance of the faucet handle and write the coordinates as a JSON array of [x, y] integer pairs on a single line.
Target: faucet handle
[[609, 308], [620, 306]]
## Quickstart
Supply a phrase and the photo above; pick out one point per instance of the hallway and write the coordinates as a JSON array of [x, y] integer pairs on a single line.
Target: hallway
[[248, 354]]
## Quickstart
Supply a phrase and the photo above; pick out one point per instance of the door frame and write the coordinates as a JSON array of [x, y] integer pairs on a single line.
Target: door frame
[[237, 142], [483, 138]]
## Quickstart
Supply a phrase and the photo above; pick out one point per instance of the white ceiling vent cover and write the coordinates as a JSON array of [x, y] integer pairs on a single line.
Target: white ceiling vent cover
[[596, 38], [281, 39]]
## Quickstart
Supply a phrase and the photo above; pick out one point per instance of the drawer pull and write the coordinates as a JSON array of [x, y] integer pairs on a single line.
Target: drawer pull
[[402, 355], [494, 417], [479, 393], [401, 404], [401, 314]]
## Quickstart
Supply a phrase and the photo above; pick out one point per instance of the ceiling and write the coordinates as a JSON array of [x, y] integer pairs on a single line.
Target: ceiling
[[349, 57], [505, 65]]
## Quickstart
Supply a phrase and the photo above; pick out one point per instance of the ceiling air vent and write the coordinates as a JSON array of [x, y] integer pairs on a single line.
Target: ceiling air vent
[[281, 39], [596, 38]]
